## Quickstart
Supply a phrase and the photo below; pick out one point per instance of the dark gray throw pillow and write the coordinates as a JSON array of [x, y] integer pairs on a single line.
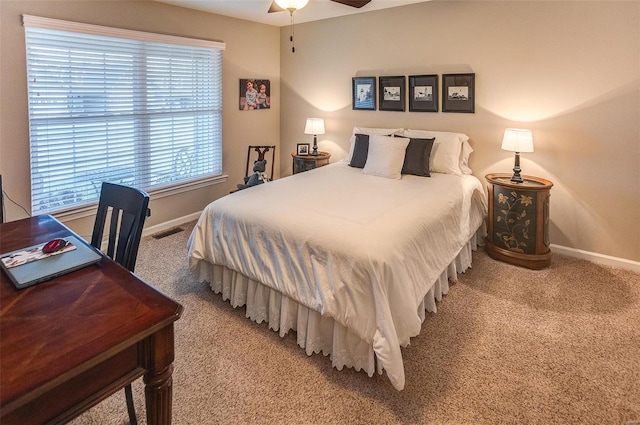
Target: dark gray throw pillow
[[360, 151], [416, 158]]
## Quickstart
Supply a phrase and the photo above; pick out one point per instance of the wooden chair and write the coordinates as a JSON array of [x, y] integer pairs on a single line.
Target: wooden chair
[[261, 151], [129, 209], [1, 201]]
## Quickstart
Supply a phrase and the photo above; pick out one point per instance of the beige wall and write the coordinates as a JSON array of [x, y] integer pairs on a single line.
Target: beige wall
[[569, 71], [252, 50]]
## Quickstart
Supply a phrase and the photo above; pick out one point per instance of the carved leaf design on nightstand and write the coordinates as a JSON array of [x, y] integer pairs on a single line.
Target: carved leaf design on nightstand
[[525, 200]]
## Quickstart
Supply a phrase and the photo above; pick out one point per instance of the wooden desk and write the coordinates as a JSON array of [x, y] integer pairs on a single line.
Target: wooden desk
[[71, 342]]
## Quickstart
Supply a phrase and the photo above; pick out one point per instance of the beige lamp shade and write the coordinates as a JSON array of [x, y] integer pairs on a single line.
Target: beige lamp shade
[[517, 140], [314, 126]]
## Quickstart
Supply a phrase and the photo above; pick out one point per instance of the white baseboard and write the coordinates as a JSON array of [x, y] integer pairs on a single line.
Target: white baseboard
[[607, 260], [148, 231]]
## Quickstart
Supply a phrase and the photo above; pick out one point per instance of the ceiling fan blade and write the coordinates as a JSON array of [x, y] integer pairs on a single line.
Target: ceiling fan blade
[[353, 3], [275, 8]]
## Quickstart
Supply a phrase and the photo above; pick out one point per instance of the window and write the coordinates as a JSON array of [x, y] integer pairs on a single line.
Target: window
[[122, 106]]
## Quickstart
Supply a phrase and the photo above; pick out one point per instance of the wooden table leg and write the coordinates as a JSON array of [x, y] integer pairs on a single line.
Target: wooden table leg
[[158, 379]]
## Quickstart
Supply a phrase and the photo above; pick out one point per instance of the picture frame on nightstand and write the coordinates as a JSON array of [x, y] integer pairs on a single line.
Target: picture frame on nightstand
[[303, 149]]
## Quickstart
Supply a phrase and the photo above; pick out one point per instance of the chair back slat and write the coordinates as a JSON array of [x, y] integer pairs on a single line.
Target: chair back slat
[[128, 208], [1, 201]]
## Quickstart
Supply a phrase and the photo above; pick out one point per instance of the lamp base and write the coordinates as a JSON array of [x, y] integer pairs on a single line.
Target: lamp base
[[315, 146], [517, 178]]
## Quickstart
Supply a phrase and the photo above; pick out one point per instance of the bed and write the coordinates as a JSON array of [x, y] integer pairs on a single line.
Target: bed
[[349, 256]]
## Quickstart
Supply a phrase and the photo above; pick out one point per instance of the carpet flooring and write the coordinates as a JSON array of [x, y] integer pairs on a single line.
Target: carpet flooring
[[508, 345]]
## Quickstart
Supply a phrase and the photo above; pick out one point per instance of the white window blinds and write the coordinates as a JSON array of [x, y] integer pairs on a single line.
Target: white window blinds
[[122, 106]]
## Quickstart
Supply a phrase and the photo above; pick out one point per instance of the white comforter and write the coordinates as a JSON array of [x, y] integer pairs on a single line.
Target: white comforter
[[361, 249]]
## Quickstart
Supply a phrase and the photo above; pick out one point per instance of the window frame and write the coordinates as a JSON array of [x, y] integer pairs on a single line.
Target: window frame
[[87, 209]]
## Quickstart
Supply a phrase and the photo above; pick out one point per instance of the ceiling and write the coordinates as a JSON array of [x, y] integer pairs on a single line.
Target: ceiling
[[256, 10]]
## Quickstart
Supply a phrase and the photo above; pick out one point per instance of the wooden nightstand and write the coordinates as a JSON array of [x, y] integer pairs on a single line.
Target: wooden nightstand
[[518, 221], [309, 162]]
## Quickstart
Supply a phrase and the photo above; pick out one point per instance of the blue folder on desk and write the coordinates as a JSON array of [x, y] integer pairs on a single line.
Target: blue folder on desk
[[29, 266]]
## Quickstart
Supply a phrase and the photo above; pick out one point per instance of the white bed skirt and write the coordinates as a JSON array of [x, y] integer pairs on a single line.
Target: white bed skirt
[[316, 333]]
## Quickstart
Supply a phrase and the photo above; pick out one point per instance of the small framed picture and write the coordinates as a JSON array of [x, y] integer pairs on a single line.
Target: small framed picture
[[254, 94], [391, 93], [303, 149], [363, 93], [458, 93], [423, 93]]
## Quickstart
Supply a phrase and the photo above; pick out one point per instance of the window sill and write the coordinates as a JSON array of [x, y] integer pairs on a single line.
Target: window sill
[[90, 210]]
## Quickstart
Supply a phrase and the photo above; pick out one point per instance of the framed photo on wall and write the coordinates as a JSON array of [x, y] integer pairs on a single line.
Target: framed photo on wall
[[392, 93], [458, 93], [363, 92], [254, 94], [423, 93]]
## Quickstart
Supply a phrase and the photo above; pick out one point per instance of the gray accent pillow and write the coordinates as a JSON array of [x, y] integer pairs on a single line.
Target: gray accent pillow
[[360, 151], [416, 158]]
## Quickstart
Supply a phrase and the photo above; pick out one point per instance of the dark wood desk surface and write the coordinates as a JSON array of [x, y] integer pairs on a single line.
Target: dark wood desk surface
[[68, 343]]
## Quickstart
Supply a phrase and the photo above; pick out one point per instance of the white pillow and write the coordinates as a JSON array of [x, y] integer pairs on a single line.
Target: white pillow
[[447, 153], [386, 156], [464, 158], [370, 131]]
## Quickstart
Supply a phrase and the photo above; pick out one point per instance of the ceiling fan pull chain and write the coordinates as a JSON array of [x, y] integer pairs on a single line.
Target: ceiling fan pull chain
[[293, 45]]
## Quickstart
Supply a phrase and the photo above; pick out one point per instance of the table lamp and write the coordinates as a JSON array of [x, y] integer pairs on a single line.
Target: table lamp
[[314, 126], [517, 140]]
